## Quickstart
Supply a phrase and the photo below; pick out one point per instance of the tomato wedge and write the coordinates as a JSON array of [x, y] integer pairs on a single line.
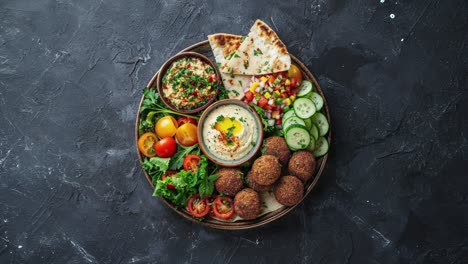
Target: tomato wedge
[[185, 120], [191, 162], [198, 207], [223, 207], [146, 144]]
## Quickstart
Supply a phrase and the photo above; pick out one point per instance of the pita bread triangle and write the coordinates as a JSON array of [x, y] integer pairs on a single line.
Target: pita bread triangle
[[262, 52], [223, 45]]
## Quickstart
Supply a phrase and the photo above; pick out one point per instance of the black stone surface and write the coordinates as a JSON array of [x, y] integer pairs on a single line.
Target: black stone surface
[[395, 189]]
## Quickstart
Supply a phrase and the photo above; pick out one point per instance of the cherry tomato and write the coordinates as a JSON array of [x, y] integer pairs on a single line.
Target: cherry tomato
[[295, 72], [187, 134], [191, 162], [184, 120], [146, 144], [165, 147], [166, 127], [223, 207], [262, 102], [198, 207], [169, 173], [249, 96]]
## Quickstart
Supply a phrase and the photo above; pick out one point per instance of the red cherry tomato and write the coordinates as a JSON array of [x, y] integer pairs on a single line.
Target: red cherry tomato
[[223, 207], [191, 162], [165, 147], [198, 207], [185, 120]]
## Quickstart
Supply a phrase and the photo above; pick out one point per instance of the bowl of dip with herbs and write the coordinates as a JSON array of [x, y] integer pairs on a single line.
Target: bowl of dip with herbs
[[188, 82]]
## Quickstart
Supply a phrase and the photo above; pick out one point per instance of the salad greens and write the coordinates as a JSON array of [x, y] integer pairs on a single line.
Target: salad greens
[[181, 186]]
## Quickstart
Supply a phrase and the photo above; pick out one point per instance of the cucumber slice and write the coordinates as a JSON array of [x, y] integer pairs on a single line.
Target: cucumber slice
[[304, 107], [311, 146], [314, 132], [317, 99], [321, 147], [308, 123], [291, 121], [297, 137], [287, 115], [305, 88], [321, 121]]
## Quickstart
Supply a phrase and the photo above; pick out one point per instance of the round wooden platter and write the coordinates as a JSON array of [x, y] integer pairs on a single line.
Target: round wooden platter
[[203, 47]]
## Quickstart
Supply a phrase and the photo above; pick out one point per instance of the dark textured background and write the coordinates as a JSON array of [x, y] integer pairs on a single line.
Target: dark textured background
[[395, 189]]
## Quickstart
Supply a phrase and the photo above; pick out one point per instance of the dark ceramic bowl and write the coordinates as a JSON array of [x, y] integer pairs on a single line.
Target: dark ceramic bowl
[[222, 107], [168, 64]]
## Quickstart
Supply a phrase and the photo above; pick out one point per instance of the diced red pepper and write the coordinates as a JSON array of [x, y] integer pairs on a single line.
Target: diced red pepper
[[188, 66], [249, 96], [271, 79], [278, 121], [262, 102]]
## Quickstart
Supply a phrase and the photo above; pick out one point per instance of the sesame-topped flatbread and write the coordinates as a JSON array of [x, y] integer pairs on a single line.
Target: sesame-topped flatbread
[[223, 45], [261, 52]]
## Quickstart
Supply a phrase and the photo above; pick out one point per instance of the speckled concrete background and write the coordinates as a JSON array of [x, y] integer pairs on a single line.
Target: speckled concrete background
[[395, 189]]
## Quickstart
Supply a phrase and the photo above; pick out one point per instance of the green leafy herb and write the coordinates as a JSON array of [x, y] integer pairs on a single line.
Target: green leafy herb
[[178, 159], [155, 167], [220, 118], [243, 38], [257, 52]]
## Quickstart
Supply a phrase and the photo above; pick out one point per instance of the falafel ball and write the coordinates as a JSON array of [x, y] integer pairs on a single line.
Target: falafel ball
[[302, 165], [229, 181], [289, 190], [277, 147], [266, 170], [247, 204], [257, 187]]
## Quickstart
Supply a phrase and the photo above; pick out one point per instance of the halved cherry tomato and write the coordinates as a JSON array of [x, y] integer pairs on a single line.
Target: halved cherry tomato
[[166, 127], [187, 134], [169, 173], [191, 162], [198, 207], [295, 72], [165, 147], [184, 120], [223, 207], [146, 144]]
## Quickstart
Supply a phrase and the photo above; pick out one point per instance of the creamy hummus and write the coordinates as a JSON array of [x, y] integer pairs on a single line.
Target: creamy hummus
[[189, 83], [230, 132]]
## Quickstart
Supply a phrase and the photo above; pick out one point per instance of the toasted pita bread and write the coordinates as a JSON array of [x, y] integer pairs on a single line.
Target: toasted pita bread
[[262, 52], [223, 45]]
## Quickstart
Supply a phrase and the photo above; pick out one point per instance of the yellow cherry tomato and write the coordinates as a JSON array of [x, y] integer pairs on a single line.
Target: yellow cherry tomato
[[187, 134], [166, 127]]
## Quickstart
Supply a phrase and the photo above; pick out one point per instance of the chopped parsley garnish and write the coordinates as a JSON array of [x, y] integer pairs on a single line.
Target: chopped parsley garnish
[[240, 83], [220, 118], [257, 52]]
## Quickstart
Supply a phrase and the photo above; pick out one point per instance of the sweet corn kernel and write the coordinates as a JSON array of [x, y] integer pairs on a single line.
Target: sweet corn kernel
[[254, 86], [287, 101], [287, 82], [267, 95], [292, 97], [263, 79]]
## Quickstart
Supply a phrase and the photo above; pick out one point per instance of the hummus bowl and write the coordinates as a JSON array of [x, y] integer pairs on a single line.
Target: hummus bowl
[[230, 132], [188, 82]]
